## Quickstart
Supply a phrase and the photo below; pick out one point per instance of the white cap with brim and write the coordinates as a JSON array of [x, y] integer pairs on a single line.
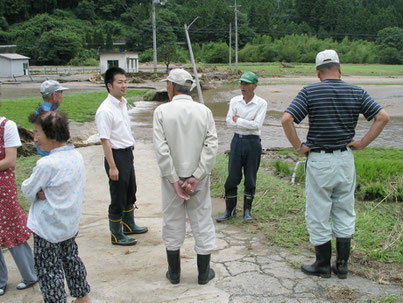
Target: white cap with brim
[[179, 76], [327, 56], [51, 86]]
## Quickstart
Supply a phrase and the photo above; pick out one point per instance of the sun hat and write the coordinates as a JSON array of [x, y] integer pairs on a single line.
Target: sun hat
[[249, 77], [179, 76], [327, 56], [49, 87]]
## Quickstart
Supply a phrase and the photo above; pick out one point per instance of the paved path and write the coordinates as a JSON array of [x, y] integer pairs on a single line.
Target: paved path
[[247, 269]]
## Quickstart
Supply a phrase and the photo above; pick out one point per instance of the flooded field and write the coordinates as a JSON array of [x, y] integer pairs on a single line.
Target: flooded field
[[279, 92], [279, 97]]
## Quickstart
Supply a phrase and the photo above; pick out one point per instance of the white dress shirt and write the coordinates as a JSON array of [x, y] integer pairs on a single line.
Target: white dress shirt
[[185, 139], [251, 115], [113, 123], [61, 176]]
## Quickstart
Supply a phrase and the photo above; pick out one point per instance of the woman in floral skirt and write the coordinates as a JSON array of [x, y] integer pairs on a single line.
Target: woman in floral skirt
[[13, 221]]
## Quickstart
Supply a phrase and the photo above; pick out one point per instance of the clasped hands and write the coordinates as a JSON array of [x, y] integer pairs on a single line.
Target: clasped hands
[[41, 195], [185, 188]]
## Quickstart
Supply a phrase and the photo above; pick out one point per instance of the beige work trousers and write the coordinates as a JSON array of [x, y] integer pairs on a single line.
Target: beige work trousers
[[198, 209]]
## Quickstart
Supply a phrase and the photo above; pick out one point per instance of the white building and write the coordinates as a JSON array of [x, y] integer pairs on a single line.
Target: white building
[[129, 61], [13, 65]]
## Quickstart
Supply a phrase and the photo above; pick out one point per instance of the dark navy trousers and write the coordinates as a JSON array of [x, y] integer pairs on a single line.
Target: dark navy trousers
[[244, 155]]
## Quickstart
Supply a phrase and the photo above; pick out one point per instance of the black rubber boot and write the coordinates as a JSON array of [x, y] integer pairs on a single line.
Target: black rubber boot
[[205, 272], [321, 267], [117, 235], [174, 266], [129, 226], [230, 210], [247, 207], [342, 254]]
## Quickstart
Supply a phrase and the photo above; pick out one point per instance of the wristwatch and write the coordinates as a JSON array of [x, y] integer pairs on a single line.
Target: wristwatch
[[299, 148]]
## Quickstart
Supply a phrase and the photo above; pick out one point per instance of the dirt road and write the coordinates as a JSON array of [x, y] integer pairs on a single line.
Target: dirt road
[[248, 270]]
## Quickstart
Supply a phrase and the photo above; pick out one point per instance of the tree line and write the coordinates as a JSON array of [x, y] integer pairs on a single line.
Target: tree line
[[73, 32]]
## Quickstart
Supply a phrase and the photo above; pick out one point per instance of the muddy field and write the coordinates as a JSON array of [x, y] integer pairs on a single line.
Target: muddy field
[[279, 92]]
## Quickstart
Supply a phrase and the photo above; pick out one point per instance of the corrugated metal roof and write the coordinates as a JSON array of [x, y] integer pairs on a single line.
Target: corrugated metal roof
[[13, 56]]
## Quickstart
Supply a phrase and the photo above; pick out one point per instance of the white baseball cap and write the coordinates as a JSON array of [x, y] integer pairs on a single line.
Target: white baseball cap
[[49, 87], [327, 56], [179, 76]]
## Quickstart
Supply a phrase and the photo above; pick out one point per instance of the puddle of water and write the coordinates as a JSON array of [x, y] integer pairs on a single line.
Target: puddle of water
[[217, 100]]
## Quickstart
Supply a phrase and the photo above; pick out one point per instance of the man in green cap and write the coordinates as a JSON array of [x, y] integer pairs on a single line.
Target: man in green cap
[[246, 115]]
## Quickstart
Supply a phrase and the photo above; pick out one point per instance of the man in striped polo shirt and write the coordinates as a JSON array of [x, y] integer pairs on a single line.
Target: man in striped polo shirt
[[333, 107]]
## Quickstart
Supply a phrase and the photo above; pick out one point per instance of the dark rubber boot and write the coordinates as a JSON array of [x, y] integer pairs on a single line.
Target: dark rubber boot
[[342, 254], [117, 235], [230, 210], [321, 267], [129, 226], [174, 266], [205, 272], [247, 207]]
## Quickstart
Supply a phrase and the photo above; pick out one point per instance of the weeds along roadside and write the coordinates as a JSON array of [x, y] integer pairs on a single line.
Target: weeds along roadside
[[279, 212]]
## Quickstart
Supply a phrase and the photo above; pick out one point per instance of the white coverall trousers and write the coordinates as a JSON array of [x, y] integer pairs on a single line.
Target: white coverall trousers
[[198, 208]]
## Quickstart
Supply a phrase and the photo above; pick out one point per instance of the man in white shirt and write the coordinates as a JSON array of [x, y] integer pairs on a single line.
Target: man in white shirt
[[246, 115], [185, 143], [117, 140]]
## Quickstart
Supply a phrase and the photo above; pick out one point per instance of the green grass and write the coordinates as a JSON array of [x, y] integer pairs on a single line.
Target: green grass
[[270, 69], [282, 168], [23, 169], [388, 299], [80, 107], [278, 206], [279, 209], [379, 173]]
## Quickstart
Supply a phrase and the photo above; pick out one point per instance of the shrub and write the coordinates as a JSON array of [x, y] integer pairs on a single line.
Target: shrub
[[391, 55], [86, 57], [215, 52], [252, 53], [65, 46], [183, 54], [146, 56]]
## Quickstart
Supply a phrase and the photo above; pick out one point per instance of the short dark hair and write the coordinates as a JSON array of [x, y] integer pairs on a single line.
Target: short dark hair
[[110, 75], [184, 89], [327, 66], [54, 124]]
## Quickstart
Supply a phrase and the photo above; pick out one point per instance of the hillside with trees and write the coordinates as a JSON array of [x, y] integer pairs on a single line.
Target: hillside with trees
[[73, 32]]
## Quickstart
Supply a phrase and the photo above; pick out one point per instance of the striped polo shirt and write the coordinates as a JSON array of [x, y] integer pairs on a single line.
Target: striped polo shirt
[[333, 107]]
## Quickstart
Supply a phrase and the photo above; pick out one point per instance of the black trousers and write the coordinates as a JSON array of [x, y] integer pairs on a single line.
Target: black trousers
[[244, 154], [123, 191]]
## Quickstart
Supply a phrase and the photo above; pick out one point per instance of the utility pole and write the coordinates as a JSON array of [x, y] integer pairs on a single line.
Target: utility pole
[[230, 46], [199, 91], [154, 2], [236, 34]]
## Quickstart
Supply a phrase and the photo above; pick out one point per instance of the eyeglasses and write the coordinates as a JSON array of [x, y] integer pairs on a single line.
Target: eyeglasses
[[35, 133]]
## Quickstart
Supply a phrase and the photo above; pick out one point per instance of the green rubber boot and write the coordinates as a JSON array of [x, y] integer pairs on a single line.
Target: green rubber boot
[[129, 226], [117, 235]]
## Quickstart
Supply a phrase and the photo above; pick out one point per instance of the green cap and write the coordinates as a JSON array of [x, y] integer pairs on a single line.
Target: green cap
[[249, 77]]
